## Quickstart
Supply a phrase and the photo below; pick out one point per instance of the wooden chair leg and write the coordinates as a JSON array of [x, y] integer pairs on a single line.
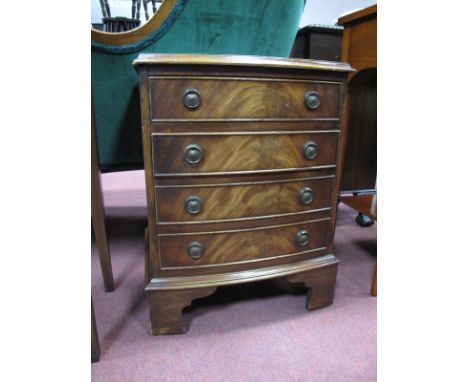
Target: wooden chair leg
[[374, 284], [95, 348], [98, 215]]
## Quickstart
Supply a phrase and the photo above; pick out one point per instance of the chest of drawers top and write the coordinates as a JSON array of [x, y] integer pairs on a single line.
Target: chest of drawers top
[[210, 60]]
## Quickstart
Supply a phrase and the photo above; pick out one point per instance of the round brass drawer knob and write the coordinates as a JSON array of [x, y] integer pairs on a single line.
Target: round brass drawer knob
[[306, 195], [312, 100], [193, 154], [192, 98], [193, 204], [302, 238], [195, 250], [310, 150]]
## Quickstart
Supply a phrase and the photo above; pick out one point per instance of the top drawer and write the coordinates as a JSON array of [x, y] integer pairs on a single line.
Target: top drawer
[[219, 99]]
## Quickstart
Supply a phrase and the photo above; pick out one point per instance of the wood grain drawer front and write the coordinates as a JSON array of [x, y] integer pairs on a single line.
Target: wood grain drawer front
[[218, 153], [210, 99], [207, 203], [227, 247]]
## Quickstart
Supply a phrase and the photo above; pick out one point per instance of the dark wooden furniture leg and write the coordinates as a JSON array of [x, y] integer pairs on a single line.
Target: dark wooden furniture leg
[[147, 259], [166, 308], [97, 213], [320, 284], [362, 219], [374, 284], [95, 349]]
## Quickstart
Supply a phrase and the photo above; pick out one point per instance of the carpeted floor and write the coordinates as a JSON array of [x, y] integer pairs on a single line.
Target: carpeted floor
[[253, 332]]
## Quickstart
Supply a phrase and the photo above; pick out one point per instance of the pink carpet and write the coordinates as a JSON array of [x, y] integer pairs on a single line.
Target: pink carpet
[[253, 332]]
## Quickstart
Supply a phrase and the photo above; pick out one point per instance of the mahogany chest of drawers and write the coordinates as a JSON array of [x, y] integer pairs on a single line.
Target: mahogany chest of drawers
[[242, 161]]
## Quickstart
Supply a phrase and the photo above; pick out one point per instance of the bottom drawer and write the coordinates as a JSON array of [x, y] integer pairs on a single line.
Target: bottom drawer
[[240, 246]]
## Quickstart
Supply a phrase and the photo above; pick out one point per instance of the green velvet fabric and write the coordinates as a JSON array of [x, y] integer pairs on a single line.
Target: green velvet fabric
[[247, 27]]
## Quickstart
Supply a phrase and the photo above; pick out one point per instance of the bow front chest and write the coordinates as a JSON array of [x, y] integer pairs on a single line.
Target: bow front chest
[[242, 161]]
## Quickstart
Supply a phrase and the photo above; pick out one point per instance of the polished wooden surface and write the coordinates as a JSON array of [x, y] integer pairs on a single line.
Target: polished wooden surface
[[241, 277], [242, 223], [242, 152], [98, 215], [248, 98], [237, 60], [235, 246], [252, 125], [360, 50], [358, 15], [263, 125], [360, 39], [365, 204], [242, 200]]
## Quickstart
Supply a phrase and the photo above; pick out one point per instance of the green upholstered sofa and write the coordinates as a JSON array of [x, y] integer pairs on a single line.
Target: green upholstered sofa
[[246, 27]]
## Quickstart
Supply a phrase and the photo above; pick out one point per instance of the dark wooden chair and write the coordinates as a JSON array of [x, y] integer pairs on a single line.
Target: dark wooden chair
[[136, 6], [119, 24]]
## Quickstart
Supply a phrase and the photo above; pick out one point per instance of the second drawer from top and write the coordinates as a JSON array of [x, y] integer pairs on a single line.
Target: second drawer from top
[[216, 153]]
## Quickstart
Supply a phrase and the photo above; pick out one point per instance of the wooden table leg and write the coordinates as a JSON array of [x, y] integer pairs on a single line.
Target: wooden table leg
[[374, 284], [95, 349]]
